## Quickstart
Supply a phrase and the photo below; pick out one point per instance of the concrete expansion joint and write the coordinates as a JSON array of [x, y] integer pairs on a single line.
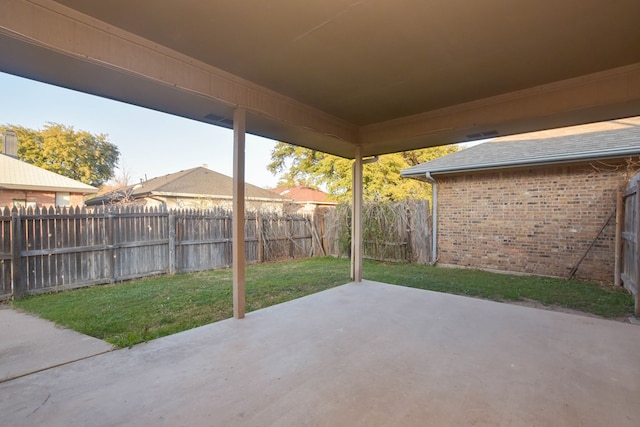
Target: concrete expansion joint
[[68, 362]]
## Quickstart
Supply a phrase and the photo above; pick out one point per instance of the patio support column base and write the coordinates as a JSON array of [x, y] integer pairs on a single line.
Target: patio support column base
[[239, 127]]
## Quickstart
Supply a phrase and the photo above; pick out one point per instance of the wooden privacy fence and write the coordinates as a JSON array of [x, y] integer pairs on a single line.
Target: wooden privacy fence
[[204, 239], [46, 249], [628, 220], [390, 231]]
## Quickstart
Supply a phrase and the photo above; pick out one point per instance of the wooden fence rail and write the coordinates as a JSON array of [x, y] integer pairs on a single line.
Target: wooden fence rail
[[53, 249]]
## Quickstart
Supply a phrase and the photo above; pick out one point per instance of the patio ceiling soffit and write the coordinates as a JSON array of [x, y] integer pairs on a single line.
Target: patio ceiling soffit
[[86, 54]]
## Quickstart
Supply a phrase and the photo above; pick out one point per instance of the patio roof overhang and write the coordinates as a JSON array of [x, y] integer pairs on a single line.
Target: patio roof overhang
[[385, 75]]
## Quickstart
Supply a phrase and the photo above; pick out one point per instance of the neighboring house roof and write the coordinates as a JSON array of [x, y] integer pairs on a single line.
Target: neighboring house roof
[[196, 182], [18, 175], [600, 141], [304, 194]]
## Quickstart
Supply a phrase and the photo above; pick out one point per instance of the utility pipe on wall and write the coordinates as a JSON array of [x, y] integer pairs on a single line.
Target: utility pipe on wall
[[434, 217]]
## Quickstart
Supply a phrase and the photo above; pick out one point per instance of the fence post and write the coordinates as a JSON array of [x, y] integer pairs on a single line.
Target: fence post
[[292, 248], [409, 239], [322, 233], [111, 253], [259, 236], [19, 288], [172, 243], [617, 276], [636, 311]]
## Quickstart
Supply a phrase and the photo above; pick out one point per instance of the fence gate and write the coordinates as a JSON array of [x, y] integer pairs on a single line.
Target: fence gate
[[630, 239]]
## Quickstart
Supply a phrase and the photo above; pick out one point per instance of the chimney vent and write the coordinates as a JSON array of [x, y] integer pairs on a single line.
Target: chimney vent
[[10, 144]]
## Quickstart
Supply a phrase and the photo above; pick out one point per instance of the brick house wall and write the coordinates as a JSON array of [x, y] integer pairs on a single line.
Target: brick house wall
[[40, 198], [531, 220]]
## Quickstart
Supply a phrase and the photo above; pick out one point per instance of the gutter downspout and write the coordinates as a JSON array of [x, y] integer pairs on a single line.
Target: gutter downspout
[[434, 218], [157, 199]]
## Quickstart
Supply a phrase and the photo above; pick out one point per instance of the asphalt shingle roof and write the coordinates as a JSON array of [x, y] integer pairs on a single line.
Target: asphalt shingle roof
[[196, 182], [301, 193], [621, 141], [18, 175]]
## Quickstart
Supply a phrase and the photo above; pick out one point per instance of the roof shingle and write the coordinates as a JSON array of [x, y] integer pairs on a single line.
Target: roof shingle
[[195, 182], [18, 175], [301, 193]]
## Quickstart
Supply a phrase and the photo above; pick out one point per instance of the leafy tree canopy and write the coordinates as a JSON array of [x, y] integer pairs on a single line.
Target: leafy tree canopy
[[79, 155], [382, 180]]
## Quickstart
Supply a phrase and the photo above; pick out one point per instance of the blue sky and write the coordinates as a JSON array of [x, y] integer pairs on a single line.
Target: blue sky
[[150, 143]]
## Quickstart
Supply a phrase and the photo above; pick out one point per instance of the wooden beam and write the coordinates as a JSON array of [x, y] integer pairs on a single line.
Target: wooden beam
[[356, 230], [239, 126]]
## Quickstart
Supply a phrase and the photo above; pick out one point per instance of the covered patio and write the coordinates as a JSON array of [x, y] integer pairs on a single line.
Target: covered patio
[[354, 79], [350, 78], [367, 354]]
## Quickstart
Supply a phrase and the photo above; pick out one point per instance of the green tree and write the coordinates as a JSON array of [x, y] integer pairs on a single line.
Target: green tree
[[79, 155], [382, 180]]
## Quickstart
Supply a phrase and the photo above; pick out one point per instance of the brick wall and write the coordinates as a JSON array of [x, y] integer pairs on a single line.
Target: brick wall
[[77, 199], [40, 198], [537, 221]]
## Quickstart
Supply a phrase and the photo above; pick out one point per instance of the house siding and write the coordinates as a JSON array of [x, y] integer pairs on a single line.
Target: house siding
[[536, 220], [40, 198]]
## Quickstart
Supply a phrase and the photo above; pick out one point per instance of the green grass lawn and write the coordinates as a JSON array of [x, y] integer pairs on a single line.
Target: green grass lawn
[[604, 301], [132, 312]]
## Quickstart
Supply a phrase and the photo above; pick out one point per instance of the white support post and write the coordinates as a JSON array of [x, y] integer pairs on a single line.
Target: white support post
[[356, 230], [239, 127]]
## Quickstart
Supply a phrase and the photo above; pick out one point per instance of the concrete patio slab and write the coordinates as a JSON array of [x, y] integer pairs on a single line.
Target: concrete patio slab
[[365, 354], [30, 344]]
